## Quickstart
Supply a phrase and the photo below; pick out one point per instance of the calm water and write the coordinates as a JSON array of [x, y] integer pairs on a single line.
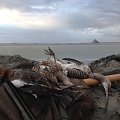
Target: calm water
[[82, 52]]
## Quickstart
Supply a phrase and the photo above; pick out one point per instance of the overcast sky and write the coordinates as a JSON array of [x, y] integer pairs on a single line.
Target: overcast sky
[[59, 21]]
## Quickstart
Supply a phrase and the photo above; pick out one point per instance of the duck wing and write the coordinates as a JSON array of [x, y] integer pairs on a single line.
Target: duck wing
[[76, 73], [78, 64], [73, 61]]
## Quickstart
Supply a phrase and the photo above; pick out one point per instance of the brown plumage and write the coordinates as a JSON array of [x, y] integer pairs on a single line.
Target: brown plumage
[[75, 69], [3, 74], [74, 97], [55, 70]]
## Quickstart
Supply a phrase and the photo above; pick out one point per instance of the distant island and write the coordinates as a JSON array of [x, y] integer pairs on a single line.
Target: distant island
[[95, 41]]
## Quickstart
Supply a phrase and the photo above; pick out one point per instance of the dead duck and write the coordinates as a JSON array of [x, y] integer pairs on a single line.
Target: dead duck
[[76, 69], [80, 70], [54, 72], [83, 71]]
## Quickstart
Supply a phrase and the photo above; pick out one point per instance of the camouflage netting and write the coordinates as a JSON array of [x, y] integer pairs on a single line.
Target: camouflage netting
[[107, 65]]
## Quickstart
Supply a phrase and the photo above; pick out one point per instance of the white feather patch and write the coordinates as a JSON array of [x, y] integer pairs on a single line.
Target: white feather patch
[[18, 83], [35, 95]]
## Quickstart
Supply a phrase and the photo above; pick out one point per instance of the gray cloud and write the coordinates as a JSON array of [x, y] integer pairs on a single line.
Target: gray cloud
[[34, 36], [92, 13], [80, 20], [75, 14], [26, 5]]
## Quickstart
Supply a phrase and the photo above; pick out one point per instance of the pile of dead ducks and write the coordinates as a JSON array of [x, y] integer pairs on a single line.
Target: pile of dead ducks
[[52, 74]]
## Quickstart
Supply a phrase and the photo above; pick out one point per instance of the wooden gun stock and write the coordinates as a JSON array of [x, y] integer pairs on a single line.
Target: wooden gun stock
[[91, 82]]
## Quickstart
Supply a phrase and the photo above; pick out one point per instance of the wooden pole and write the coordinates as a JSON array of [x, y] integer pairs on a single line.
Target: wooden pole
[[91, 82]]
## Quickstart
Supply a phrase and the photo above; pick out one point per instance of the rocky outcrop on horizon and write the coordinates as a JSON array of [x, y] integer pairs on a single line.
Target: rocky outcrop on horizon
[[95, 41]]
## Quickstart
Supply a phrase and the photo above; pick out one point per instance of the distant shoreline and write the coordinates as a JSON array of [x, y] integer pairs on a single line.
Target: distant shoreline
[[101, 43]]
